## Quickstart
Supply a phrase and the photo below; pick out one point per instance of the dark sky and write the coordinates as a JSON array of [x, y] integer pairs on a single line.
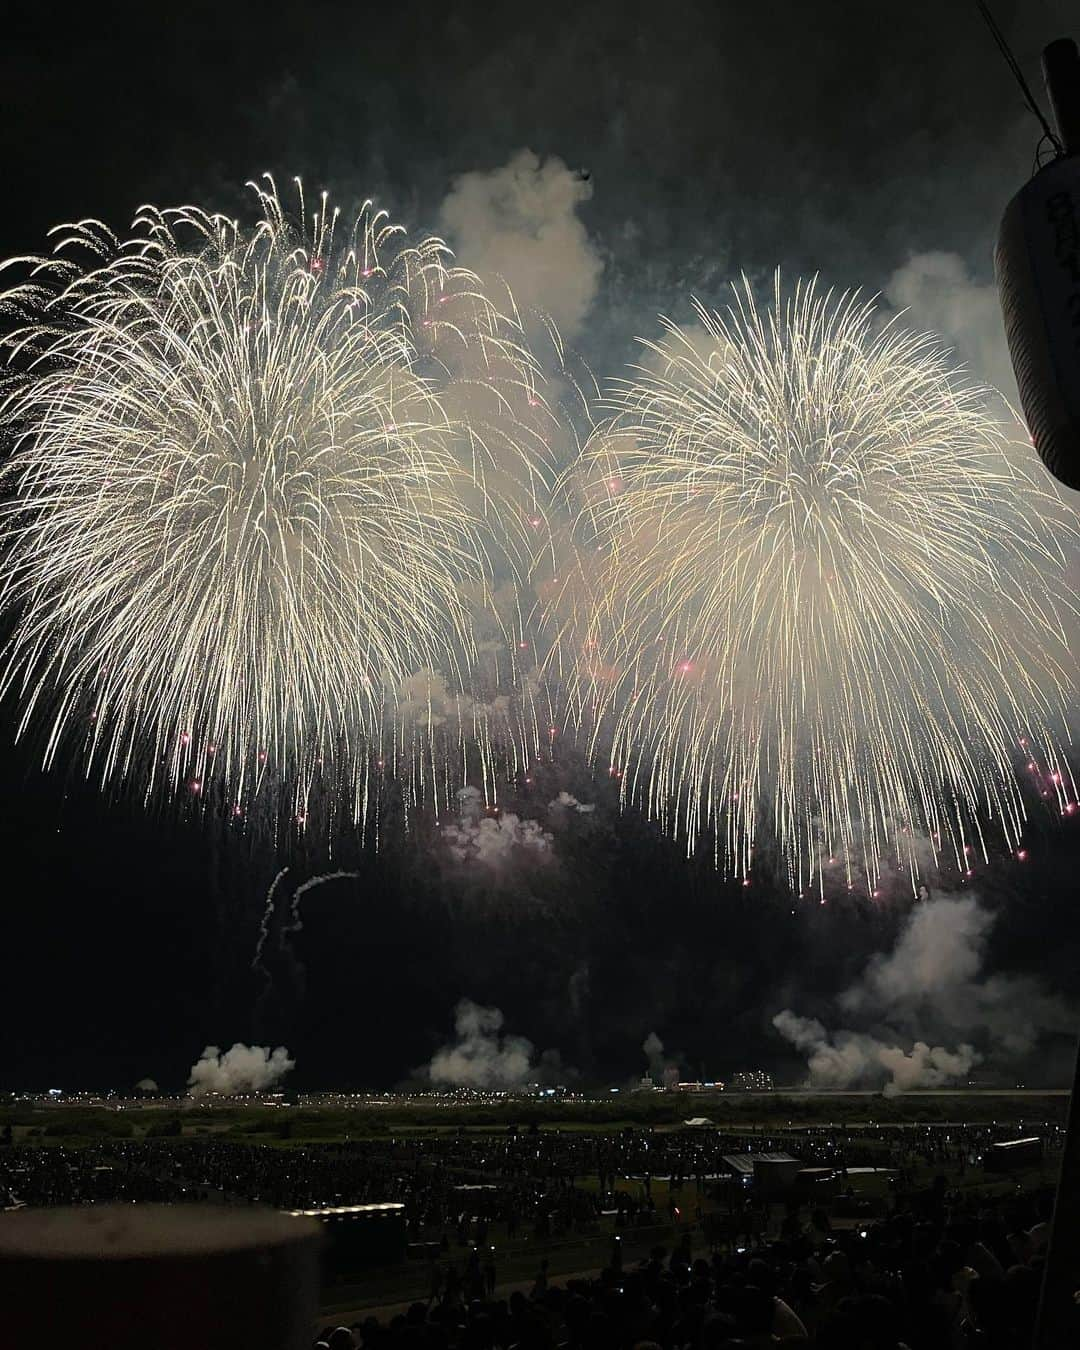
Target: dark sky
[[842, 137]]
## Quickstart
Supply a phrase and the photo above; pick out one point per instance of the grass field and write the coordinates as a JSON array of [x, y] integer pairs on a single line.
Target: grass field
[[306, 1124]]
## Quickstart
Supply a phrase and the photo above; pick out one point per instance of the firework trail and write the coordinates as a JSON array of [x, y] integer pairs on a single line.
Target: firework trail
[[290, 924], [264, 486], [296, 923], [828, 611], [264, 924]]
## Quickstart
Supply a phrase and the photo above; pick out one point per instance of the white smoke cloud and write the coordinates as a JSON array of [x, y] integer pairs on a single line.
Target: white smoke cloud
[[493, 842], [853, 1059], [244, 1068], [146, 1085], [566, 801], [483, 1056], [930, 987], [520, 223], [933, 977], [662, 1068], [940, 294]]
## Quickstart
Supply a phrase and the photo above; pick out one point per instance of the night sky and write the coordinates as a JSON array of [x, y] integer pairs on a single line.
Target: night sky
[[842, 138]]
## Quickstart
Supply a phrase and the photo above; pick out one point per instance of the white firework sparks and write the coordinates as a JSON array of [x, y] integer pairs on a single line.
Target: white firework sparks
[[262, 484], [829, 608]]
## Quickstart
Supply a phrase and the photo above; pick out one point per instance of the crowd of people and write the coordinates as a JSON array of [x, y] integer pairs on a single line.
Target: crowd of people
[[938, 1265], [528, 1181], [939, 1273]]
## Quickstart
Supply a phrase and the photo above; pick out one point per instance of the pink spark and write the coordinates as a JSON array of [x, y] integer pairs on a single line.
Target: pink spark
[[1021, 854]]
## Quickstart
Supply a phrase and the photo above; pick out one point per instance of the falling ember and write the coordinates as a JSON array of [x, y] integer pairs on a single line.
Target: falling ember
[[776, 499]]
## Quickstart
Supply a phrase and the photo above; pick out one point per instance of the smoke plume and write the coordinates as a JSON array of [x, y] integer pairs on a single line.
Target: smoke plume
[[849, 1059], [146, 1085], [929, 990], [662, 1069], [520, 223], [244, 1068], [483, 1056]]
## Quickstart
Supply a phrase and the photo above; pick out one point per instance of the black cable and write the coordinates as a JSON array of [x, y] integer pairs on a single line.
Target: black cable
[[1011, 61]]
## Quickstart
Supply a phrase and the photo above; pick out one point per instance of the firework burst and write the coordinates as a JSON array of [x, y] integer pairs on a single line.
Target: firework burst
[[262, 486], [829, 611]]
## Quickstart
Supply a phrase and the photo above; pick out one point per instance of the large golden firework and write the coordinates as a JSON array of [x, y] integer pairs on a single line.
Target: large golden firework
[[262, 485], [824, 605]]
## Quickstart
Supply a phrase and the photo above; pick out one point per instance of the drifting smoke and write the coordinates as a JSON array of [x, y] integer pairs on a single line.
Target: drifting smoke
[[493, 842], [661, 1067], [929, 987], [933, 978], [939, 292], [146, 1085], [244, 1068], [851, 1059], [566, 801], [482, 1056], [482, 839], [520, 223]]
